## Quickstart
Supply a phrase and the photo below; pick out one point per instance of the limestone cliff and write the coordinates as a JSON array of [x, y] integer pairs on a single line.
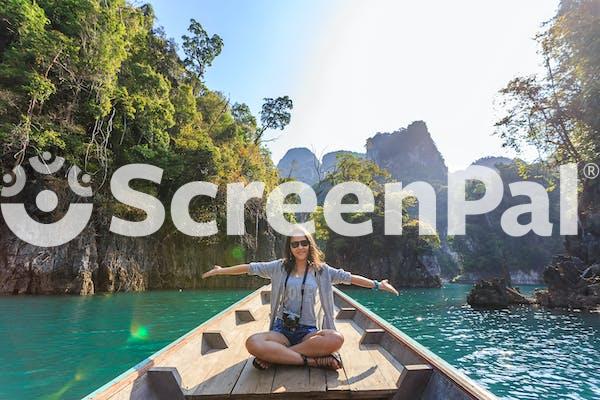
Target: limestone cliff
[[301, 164], [402, 268], [100, 261], [409, 154]]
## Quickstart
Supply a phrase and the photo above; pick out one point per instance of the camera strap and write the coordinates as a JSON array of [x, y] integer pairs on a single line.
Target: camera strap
[[301, 288]]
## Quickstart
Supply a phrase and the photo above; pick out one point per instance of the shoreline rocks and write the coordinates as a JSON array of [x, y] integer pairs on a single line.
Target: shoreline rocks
[[494, 293], [571, 284]]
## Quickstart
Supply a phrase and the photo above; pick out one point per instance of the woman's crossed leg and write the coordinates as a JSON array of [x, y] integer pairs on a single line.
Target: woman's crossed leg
[[274, 347]]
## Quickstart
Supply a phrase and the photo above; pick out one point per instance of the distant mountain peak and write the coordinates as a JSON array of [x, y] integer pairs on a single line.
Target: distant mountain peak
[[492, 161], [409, 154], [301, 164]]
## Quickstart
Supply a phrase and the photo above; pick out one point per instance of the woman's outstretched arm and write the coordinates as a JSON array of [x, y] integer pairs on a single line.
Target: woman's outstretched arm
[[359, 280], [340, 276], [234, 270]]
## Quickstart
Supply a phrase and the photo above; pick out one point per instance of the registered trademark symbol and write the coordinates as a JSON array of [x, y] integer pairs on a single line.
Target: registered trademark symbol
[[591, 170]]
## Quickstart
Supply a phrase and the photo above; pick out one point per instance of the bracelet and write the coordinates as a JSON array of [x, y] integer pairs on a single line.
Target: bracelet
[[377, 284]]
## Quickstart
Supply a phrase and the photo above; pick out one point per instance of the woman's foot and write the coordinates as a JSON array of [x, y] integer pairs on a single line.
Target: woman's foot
[[331, 361], [260, 364]]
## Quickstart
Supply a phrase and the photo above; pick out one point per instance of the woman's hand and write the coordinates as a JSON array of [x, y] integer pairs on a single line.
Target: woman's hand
[[215, 271], [385, 285]]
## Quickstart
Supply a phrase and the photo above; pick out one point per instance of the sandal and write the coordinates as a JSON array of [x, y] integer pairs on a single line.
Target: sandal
[[257, 365], [338, 358], [325, 362]]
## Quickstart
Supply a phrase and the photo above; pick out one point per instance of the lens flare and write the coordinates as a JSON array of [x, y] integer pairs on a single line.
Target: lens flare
[[139, 332], [238, 252], [59, 394]]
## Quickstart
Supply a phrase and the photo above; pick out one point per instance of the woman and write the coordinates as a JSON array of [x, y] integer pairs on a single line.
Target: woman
[[294, 338]]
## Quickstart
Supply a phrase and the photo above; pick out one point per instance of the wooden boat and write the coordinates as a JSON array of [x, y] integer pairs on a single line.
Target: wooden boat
[[211, 362]]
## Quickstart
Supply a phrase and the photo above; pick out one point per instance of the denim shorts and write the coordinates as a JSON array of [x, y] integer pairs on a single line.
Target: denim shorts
[[297, 334]]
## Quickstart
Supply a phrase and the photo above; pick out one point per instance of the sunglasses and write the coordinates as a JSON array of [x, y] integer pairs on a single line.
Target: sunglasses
[[303, 243]]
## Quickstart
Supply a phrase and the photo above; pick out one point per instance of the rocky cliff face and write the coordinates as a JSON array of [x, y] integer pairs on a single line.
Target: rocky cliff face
[[407, 260], [28, 269], [100, 261], [521, 277], [586, 245], [301, 164], [573, 279], [409, 154], [518, 277], [571, 284], [487, 251], [402, 269]]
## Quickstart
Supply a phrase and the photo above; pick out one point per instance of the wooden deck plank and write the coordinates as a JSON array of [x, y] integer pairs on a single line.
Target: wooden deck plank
[[390, 368], [253, 382], [133, 382], [318, 379], [140, 389], [337, 381], [362, 371], [195, 367], [413, 381], [299, 379], [218, 373], [292, 379], [411, 352], [223, 368]]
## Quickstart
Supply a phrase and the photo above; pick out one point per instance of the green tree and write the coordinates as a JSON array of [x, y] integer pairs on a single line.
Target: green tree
[[557, 113], [486, 250], [96, 82], [200, 49], [244, 118], [275, 114], [352, 168]]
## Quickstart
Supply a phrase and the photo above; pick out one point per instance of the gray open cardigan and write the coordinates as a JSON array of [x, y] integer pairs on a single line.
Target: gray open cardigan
[[326, 277]]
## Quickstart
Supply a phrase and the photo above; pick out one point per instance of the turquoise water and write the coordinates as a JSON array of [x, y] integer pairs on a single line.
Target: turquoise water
[[66, 347], [523, 353]]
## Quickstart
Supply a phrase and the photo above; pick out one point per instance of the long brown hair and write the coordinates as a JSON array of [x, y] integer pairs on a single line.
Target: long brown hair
[[315, 255]]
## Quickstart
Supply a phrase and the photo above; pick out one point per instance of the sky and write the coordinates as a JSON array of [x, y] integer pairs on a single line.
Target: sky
[[356, 67]]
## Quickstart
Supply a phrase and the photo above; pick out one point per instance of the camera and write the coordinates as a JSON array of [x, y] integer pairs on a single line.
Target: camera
[[291, 320]]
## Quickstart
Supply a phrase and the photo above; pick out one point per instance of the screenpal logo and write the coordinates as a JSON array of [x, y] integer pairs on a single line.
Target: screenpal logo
[[31, 231], [77, 216]]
